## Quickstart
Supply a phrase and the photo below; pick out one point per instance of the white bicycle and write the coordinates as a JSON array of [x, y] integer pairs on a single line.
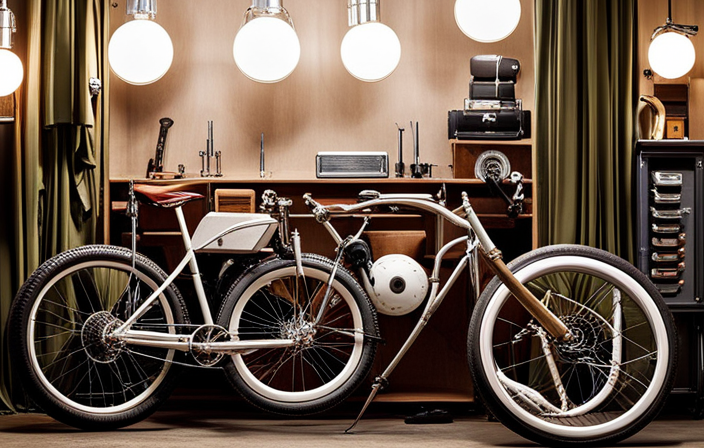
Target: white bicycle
[[566, 343]]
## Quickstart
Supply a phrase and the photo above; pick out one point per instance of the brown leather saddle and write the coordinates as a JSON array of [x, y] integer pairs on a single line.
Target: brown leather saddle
[[165, 196]]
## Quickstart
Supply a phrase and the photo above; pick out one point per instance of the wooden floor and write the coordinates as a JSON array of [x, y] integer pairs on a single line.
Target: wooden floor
[[199, 428]]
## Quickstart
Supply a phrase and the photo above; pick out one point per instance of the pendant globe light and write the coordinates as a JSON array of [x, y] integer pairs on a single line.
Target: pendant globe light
[[370, 50], [140, 51], [11, 70], [487, 20], [671, 52], [266, 47]]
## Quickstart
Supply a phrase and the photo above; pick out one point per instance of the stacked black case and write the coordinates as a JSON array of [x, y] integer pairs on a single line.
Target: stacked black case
[[492, 111]]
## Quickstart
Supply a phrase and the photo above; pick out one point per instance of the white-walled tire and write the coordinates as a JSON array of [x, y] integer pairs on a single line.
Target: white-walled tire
[[615, 373], [56, 336], [333, 356]]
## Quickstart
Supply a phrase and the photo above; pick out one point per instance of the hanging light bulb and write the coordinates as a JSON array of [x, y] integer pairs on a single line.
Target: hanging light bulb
[[487, 20], [266, 47], [140, 51], [671, 52], [11, 71], [370, 50]]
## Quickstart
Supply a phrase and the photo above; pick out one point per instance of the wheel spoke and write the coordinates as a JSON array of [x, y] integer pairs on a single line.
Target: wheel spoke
[[75, 358], [605, 369], [322, 352]]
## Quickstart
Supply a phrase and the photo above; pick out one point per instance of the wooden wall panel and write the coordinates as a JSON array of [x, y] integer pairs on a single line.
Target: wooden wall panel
[[320, 107], [652, 14]]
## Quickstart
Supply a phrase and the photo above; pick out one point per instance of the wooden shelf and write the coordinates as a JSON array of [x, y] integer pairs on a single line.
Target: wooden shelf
[[421, 397], [522, 142], [215, 181]]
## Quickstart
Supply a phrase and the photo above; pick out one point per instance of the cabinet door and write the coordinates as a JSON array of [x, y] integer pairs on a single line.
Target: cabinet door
[[670, 224]]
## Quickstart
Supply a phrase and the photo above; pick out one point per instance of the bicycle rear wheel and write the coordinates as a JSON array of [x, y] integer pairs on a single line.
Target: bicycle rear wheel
[[59, 337], [607, 382], [328, 360]]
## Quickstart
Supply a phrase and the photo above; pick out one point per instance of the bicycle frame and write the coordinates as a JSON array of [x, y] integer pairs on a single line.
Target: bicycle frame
[[184, 342], [476, 241], [474, 227]]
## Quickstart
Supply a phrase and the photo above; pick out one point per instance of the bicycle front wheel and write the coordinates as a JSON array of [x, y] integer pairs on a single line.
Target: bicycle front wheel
[[59, 337], [330, 357], [603, 385]]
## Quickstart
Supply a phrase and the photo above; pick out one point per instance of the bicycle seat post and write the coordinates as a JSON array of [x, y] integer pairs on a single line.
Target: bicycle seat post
[[133, 213]]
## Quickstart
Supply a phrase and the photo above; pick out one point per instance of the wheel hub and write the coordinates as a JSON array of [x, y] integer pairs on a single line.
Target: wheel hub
[[96, 337], [301, 332], [587, 338]]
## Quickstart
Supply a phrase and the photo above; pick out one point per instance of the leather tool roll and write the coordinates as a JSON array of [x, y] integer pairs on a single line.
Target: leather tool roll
[[491, 67]]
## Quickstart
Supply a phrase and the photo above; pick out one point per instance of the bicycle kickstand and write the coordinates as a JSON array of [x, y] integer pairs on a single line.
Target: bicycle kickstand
[[379, 384]]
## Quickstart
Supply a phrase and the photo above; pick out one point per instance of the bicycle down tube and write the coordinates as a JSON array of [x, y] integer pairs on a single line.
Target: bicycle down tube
[[183, 342]]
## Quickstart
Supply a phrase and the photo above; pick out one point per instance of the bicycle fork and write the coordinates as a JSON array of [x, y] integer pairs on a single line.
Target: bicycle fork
[[477, 241]]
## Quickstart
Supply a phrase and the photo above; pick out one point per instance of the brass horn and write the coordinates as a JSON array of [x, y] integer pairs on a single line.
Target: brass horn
[[658, 129]]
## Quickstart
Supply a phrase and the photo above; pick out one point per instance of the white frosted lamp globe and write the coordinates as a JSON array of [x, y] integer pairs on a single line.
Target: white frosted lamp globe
[[11, 72], [140, 52], [266, 49], [671, 55], [487, 20], [370, 51]]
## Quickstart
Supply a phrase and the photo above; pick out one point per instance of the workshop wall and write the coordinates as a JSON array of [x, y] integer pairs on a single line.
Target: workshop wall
[[320, 107], [652, 14]]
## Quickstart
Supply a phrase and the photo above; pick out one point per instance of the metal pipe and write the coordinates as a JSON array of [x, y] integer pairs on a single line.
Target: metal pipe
[[193, 264], [155, 295], [262, 173], [363, 11], [141, 8], [8, 27]]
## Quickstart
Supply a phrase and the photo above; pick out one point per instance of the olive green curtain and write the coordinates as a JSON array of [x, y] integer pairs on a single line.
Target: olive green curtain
[[60, 152], [585, 104]]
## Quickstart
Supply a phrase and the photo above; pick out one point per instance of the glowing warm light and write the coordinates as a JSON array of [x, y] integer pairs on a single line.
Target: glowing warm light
[[487, 20], [671, 55], [11, 72], [266, 49], [370, 51], [140, 52]]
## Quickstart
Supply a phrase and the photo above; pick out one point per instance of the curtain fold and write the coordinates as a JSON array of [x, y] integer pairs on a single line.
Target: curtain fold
[[58, 170], [585, 104]]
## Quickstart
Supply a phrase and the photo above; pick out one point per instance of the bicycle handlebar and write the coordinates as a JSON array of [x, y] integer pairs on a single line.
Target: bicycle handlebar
[[322, 214]]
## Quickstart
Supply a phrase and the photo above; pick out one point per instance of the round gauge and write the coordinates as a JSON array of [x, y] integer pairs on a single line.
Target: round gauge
[[492, 164]]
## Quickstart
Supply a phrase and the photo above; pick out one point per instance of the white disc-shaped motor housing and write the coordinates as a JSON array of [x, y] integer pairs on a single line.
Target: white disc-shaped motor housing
[[400, 284]]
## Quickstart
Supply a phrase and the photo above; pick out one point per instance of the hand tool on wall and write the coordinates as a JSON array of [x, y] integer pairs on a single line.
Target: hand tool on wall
[[156, 165], [262, 172], [418, 170], [400, 167], [208, 154]]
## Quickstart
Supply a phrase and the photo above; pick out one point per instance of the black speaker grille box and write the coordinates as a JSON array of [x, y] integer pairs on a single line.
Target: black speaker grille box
[[351, 164]]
